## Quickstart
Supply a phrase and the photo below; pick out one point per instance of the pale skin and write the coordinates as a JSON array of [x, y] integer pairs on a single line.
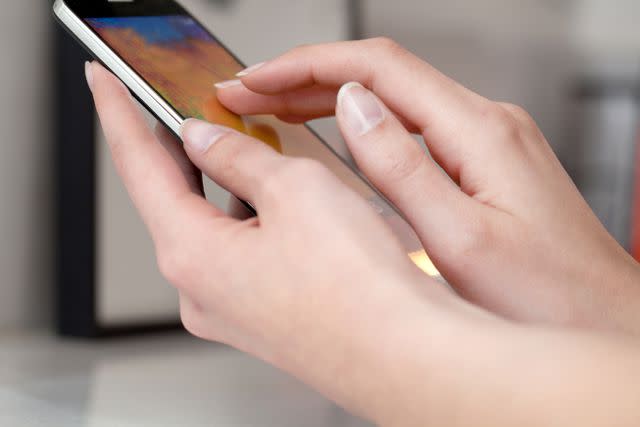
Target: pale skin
[[542, 327]]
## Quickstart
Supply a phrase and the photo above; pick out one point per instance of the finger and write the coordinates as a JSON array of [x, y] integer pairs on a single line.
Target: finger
[[235, 161], [399, 167], [174, 147], [314, 101], [446, 113], [156, 183], [298, 106]]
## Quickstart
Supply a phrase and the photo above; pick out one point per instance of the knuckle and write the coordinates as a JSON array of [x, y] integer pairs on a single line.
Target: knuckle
[[190, 322], [301, 48], [513, 109], [520, 114], [502, 125], [305, 168], [474, 240], [387, 45], [272, 187], [176, 267], [304, 174], [192, 319], [403, 167]]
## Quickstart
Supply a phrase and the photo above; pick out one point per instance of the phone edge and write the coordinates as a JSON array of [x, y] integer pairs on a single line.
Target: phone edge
[[97, 48]]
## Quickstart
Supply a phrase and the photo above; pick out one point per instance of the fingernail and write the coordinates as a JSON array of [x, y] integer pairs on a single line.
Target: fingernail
[[88, 72], [250, 70], [361, 108], [199, 136], [227, 83]]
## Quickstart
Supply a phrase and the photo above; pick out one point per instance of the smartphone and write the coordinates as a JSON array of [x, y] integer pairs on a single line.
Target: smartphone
[[170, 62]]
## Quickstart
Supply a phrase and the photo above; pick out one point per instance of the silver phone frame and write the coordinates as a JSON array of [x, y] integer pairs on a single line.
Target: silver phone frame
[[140, 88]]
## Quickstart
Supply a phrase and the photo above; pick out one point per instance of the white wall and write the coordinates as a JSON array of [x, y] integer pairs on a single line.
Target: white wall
[[606, 27], [26, 215]]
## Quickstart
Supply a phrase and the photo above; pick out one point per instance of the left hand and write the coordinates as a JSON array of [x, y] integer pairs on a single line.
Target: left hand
[[310, 285]]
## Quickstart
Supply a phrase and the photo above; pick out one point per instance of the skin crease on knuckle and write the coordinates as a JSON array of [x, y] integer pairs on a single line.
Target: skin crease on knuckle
[[520, 114], [530, 134], [401, 167], [501, 126], [389, 47], [476, 240], [381, 50]]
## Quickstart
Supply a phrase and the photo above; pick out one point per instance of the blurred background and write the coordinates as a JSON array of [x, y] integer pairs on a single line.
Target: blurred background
[[573, 64]]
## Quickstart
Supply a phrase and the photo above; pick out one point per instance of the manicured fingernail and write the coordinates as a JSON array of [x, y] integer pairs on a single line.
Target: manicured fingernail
[[228, 83], [199, 136], [361, 108], [89, 74], [250, 70]]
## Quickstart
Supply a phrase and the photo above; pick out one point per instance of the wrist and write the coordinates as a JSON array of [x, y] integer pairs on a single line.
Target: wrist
[[423, 365], [623, 295], [602, 291], [371, 350]]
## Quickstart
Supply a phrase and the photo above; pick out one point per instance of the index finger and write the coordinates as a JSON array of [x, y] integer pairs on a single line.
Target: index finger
[[155, 181], [442, 109]]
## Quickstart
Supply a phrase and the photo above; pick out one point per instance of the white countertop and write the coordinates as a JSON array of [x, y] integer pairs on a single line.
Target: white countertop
[[161, 380]]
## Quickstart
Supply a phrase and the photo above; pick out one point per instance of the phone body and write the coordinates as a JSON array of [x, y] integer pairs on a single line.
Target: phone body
[[170, 62]]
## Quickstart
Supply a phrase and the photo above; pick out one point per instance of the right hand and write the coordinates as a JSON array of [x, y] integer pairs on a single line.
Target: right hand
[[514, 235]]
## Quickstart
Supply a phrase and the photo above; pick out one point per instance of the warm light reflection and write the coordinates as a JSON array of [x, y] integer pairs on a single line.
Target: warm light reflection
[[423, 262]]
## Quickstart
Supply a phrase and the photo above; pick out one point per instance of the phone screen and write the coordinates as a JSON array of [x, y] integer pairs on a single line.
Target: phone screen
[[181, 61]]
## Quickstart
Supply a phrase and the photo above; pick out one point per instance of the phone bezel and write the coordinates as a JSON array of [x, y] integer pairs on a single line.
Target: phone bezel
[[93, 9]]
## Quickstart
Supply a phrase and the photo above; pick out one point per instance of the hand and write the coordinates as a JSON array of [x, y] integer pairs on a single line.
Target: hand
[[325, 292], [507, 227]]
